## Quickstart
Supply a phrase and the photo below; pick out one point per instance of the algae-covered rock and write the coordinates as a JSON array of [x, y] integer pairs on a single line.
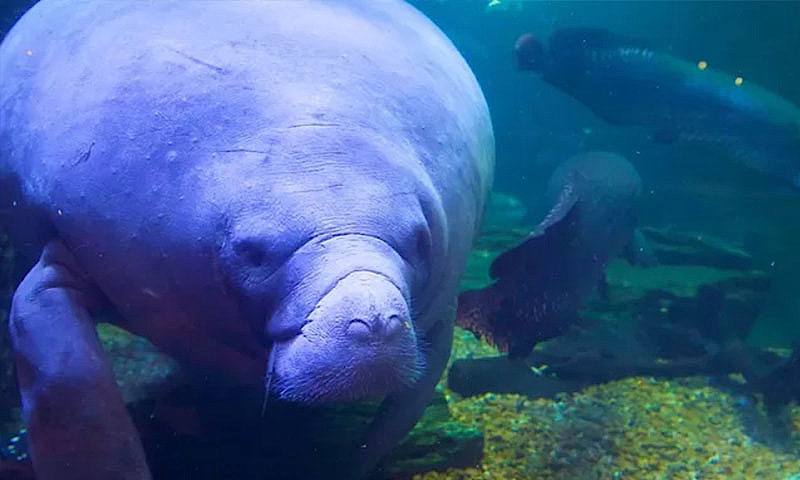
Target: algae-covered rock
[[580, 436], [140, 369], [676, 247], [720, 304], [436, 443]]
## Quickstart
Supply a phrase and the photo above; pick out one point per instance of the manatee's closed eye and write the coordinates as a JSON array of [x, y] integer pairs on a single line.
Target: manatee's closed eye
[[252, 250]]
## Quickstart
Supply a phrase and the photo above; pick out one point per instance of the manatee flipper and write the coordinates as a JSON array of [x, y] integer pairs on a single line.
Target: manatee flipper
[[512, 309], [77, 422], [400, 411]]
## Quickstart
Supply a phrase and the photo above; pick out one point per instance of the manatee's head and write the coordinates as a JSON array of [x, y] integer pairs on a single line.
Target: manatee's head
[[337, 309]]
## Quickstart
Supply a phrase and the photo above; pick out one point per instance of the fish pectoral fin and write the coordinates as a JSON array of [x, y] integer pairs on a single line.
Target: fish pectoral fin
[[544, 243]]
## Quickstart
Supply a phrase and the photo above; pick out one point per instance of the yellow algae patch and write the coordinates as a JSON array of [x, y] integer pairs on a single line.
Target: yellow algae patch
[[637, 428]]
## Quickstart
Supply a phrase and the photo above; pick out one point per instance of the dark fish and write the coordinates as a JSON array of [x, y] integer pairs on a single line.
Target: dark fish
[[627, 82], [538, 284]]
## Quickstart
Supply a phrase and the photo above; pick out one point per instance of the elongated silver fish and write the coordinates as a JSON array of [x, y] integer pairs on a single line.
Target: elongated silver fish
[[626, 82]]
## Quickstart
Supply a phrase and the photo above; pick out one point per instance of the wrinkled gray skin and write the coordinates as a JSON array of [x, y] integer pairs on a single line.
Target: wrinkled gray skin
[[230, 177]]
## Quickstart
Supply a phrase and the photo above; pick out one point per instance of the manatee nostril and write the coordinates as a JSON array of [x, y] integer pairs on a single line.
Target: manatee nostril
[[359, 329], [394, 325], [251, 251]]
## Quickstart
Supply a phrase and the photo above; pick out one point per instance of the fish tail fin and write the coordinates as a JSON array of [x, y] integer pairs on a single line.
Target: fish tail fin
[[478, 312]]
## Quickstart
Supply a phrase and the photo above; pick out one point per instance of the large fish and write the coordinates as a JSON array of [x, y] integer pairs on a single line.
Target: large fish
[[626, 82], [538, 285]]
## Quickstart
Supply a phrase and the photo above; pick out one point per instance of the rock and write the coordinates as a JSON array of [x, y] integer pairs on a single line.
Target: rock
[[140, 369], [470, 377], [721, 304], [581, 433], [676, 247], [436, 444]]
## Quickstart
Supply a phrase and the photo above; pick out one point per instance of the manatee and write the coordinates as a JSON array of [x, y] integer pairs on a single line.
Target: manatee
[[538, 284], [277, 193]]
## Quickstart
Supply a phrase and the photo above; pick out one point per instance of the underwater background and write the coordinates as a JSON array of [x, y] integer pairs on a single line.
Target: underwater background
[[661, 393], [537, 126]]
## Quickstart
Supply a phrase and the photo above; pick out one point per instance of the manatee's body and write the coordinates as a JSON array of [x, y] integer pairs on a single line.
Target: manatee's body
[[540, 283], [236, 178], [627, 82]]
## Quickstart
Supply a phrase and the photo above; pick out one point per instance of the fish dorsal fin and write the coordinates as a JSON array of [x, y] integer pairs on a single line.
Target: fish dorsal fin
[[557, 227], [595, 38]]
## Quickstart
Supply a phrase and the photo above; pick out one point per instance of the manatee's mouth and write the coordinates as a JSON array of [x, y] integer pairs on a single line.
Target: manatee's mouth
[[358, 341], [298, 380]]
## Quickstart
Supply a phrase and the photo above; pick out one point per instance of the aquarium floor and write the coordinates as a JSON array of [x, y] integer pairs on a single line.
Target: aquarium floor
[[636, 428]]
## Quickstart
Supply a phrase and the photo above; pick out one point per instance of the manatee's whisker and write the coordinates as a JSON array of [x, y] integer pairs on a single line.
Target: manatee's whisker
[[268, 378]]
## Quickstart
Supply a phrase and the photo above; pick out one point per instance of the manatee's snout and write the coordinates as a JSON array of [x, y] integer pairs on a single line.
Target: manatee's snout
[[372, 307], [357, 341], [377, 328]]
